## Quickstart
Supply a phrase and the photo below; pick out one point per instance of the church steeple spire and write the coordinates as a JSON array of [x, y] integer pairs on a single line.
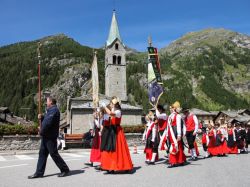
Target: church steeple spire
[[114, 31]]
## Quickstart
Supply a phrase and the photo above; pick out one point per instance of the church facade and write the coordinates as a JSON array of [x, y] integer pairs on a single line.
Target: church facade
[[80, 110]]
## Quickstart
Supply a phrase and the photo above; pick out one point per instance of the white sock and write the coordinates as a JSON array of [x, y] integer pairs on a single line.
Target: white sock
[[206, 154], [153, 157], [194, 153]]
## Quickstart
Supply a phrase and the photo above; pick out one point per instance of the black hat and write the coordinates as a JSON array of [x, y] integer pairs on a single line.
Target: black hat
[[160, 107], [184, 109]]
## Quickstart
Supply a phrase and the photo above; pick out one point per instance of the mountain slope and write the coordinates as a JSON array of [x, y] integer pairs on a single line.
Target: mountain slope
[[209, 69], [64, 70]]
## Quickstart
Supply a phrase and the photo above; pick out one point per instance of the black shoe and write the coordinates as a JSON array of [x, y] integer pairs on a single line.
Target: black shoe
[[151, 163], [98, 168], [110, 172], [147, 162], [172, 165], [89, 164], [193, 159], [35, 176], [63, 174]]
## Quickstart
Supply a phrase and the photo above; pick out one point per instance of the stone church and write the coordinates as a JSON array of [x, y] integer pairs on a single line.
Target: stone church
[[80, 110]]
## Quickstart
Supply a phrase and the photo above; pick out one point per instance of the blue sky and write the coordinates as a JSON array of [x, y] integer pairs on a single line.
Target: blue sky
[[88, 21]]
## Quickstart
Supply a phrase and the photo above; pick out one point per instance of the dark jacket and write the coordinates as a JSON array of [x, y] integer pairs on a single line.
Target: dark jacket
[[50, 123]]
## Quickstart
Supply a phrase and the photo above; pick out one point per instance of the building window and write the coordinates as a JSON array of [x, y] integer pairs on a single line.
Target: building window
[[119, 59], [114, 59], [116, 46]]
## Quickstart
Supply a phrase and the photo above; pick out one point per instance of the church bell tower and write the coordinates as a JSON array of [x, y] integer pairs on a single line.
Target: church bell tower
[[115, 63]]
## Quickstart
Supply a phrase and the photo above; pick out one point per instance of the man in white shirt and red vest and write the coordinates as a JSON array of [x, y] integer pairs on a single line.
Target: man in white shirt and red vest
[[192, 125]]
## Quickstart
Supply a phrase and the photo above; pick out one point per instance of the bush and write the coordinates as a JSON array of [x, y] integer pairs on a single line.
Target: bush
[[133, 129], [18, 129]]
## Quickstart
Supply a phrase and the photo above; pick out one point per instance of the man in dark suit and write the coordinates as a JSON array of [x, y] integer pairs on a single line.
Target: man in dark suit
[[49, 132]]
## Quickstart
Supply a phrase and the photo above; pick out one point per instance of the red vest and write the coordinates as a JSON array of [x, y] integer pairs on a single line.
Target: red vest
[[204, 138], [174, 122], [106, 122], [115, 121], [162, 124], [190, 125]]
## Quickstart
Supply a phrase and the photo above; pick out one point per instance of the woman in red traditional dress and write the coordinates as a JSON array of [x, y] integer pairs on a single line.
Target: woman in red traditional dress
[[95, 154], [115, 155], [212, 149], [176, 130], [152, 138], [231, 141]]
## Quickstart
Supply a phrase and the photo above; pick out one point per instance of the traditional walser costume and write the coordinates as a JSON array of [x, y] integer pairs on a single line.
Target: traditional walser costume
[[176, 129], [192, 125], [205, 141], [115, 155], [220, 141], [151, 135], [231, 141], [239, 138], [95, 153], [212, 150]]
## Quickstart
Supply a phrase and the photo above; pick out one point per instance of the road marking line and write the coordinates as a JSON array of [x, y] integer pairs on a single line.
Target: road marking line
[[2, 158], [72, 155], [13, 166], [68, 160], [24, 157], [85, 153]]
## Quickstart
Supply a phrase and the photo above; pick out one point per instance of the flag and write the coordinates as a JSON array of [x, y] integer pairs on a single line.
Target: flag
[[95, 82], [155, 89]]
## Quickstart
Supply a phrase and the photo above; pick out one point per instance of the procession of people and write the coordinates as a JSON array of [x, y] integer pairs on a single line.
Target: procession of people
[[171, 133]]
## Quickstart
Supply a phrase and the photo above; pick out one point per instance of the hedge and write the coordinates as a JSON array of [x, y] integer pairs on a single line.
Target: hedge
[[133, 129], [18, 129]]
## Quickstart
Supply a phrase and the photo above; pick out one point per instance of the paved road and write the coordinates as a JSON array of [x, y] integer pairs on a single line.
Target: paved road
[[232, 170]]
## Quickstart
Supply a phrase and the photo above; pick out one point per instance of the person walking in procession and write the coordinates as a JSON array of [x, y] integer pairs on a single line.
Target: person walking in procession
[[49, 132]]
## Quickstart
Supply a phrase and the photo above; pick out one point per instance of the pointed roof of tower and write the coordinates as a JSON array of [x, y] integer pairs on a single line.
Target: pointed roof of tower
[[114, 31]]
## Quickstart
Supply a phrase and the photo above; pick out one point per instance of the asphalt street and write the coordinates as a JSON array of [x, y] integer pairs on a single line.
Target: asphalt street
[[232, 170]]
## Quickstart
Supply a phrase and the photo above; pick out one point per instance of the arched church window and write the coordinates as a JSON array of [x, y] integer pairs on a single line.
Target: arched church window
[[114, 59], [116, 46], [119, 59]]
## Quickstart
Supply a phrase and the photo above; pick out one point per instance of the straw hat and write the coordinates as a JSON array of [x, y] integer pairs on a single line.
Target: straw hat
[[176, 105], [116, 100]]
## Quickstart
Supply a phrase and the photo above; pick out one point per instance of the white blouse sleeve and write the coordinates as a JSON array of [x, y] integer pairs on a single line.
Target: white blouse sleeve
[[118, 113], [178, 124]]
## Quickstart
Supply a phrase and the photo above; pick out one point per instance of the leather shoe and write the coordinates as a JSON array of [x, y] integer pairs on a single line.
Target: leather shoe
[[35, 176], [89, 164], [63, 174]]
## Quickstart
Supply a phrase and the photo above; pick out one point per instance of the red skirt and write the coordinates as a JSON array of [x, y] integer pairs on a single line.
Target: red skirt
[[224, 147], [95, 154], [179, 157], [149, 154], [118, 160], [213, 150], [232, 150]]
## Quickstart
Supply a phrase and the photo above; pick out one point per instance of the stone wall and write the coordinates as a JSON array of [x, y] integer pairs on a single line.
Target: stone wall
[[32, 142], [19, 142]]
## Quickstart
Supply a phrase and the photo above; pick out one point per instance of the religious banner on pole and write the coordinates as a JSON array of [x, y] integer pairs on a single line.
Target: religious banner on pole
[[95, 82], [155, 89]]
